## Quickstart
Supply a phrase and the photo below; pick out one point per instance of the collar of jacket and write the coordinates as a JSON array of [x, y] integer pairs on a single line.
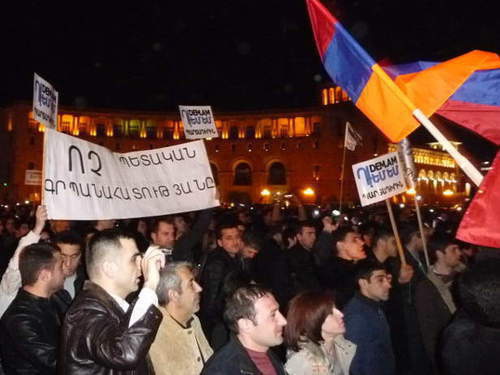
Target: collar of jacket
[[368, 301], [93, 290], [29, 296], [248, 367]]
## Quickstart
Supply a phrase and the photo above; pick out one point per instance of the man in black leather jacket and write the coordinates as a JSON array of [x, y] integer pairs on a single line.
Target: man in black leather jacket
[[102, 334], [30, 327]]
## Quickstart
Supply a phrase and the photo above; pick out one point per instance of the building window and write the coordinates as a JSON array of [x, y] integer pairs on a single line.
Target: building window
[[100, 130], [315, 144], [117, 130], [31, 165], [277, 174], [233, 132], [267, 147], [317, 128], [284, 132], [215, 173], [233, 148], [133, 128], [250, 132], [168, 133], [32, 141], [283, 146], [242, 175], [151, 132], [267, 132], [316, 170]]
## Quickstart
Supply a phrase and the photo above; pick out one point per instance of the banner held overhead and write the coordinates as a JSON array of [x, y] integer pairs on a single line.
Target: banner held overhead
[[379, 178], [85, 181], [45, 102], [198, 122]]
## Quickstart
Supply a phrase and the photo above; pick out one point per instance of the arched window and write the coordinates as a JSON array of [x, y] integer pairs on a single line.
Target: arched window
[[277, 174], [243, 174], [215, 173]]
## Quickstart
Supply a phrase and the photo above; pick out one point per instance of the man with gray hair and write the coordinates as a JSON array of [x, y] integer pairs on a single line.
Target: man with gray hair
[[180, 346]]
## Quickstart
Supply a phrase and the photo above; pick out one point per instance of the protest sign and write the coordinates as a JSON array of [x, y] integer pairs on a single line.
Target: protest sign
[[379, 178], [198, 122], [33, 177], [45, 102], [85, 181]]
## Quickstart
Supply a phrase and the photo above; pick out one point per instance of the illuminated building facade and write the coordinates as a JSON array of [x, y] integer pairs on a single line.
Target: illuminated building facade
[[289, 150]]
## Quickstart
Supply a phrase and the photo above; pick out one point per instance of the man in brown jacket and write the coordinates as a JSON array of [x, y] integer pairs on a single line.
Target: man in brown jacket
[[102, 334]]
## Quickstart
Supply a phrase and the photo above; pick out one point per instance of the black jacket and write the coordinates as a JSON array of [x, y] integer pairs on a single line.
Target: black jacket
[[29, 333], [302, 269], [339, 275], [96, 338], [233, 359]]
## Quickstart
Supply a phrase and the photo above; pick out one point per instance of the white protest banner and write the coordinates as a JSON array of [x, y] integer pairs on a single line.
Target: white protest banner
[[198, 122], [85, 181], [379, 178], [33, 177], [45, 102]]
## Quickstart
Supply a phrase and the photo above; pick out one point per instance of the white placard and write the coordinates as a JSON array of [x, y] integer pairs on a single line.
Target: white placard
[[33, 177], [379, 178], [198, 122], [45, 102], [85, 181]]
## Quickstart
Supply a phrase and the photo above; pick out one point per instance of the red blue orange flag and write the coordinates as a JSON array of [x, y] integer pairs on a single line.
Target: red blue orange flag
[[475, 80], [350, 67]]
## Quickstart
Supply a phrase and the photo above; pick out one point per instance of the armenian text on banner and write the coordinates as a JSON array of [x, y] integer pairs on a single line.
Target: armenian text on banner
[[379, 178], [198, 122], [85, 181], [45, 102]]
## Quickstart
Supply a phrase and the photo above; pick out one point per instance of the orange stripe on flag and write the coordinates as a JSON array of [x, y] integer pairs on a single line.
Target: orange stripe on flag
[[386, 106]]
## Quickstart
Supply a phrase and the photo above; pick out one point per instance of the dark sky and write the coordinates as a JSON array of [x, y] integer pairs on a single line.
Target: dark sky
[[230, 54], [155, 55]]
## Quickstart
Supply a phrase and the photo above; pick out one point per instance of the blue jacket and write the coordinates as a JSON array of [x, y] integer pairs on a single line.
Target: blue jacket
[[366, 326]]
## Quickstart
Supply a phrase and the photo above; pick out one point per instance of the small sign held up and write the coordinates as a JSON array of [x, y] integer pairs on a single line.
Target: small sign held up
[[33, 177], [379, 178], [198, 122], [45, 102]]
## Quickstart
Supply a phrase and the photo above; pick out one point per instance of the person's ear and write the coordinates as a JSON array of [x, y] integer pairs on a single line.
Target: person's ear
[[244, 325], [109, 269], [173, 295]]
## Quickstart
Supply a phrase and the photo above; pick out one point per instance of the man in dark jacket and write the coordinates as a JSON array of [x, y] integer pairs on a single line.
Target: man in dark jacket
[[366, 324], [30, 327], [102, 334], [253, 316], [471, 343], [221, 268], [301, 262]]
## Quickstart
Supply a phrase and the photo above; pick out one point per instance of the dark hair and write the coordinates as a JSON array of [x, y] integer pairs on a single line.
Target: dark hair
[[158, 220], [382, 234], [366, 268], [479, 292], [241, 305], [439, 242], [339, 235], [102, 244], [35, 258], [306, 314], [226, 225], [68, 237], [305, 224], [253, 240]]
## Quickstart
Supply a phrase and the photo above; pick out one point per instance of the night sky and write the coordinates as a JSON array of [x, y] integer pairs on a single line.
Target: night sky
[[155, 55]]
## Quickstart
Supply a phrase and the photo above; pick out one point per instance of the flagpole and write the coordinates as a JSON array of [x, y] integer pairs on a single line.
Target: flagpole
[[421, 228], [342, 168], [462, 162], [395, 231]]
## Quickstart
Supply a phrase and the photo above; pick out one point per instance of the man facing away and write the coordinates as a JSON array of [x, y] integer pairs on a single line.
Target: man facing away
[[102, 334], [254, 318], [366, 324], [30, 327], [180, 347], [433, 297]]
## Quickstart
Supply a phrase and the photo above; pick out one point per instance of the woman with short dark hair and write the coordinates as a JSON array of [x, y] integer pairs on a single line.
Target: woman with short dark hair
[[314, 337]]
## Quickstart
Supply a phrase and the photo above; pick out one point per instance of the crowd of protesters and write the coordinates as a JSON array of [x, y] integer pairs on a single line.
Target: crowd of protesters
[[263, 289]]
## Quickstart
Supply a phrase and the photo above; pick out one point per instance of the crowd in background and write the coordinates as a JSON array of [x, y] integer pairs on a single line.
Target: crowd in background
[[253, 289]]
